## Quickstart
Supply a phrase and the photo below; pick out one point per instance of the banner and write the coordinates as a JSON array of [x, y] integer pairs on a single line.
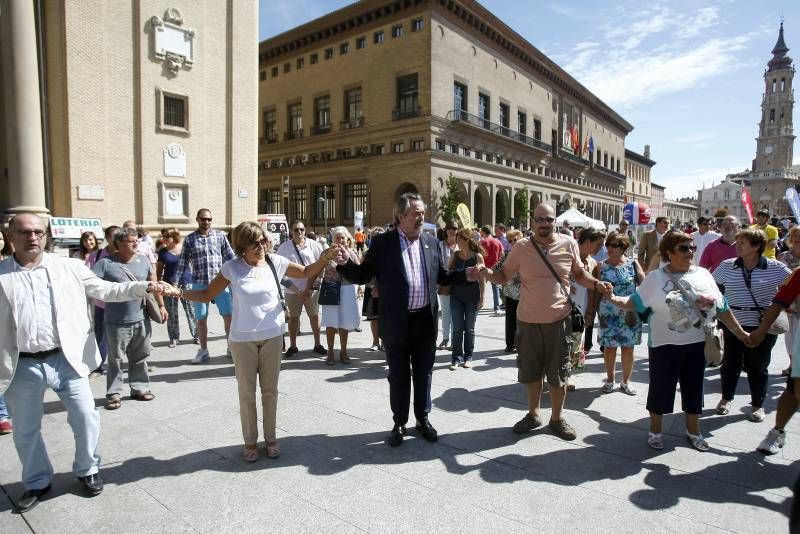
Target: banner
[[747, 203], [275, 224], [358, 219], [70, 228], [794, 201], [464, 216]]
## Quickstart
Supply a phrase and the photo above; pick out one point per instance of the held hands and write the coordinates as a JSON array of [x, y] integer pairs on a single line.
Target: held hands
[[163, 288], [475, 273], [607, 290]]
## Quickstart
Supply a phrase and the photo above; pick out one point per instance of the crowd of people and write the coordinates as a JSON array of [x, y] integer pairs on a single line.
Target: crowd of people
[[420, 293]]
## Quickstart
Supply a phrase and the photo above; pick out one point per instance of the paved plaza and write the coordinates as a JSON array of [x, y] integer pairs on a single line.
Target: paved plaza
[[175, 464]]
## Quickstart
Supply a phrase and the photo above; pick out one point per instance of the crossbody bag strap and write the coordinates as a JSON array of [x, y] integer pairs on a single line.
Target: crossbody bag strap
[[132, 278], [550, 267], [685, 294], [299, 256], [747, 283], [277, 281]]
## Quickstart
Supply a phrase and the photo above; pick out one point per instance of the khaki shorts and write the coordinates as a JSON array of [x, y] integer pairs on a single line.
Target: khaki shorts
[[295, 304], [543, 350]]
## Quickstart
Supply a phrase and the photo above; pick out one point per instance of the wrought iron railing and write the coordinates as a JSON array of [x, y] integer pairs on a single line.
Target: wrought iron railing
[[458, 115]]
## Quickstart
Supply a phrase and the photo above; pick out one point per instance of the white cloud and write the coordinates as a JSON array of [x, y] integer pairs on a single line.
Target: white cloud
[[705, 18]]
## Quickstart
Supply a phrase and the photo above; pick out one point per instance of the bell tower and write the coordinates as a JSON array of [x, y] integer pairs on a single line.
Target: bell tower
[[775, 141]]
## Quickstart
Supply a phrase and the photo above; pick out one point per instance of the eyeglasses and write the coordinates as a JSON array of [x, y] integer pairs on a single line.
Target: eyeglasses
[[261, 243], [686, 248], [25, 233], [131, 243], [512, 240], [541, 220], [205, 219], [298, 230], [614, 245]]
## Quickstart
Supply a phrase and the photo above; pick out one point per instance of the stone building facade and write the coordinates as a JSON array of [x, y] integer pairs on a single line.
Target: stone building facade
[[637, 173], [147, 110], [657, 200], [726, 196], [380, 98]]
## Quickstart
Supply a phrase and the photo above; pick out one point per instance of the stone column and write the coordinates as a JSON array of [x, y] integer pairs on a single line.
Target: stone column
[[23, 114]]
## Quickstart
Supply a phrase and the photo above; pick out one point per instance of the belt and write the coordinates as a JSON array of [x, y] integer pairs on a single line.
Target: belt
[[41, 354], [746, 308], [420, 310]]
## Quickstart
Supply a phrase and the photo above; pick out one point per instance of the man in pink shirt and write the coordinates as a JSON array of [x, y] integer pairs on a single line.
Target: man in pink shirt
[[544, 327], [494, 251], [723, 248]]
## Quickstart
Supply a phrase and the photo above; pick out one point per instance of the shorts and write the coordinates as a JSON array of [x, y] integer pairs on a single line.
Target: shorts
[[671, 365], [223, 302], [544, 350], [296, 304]]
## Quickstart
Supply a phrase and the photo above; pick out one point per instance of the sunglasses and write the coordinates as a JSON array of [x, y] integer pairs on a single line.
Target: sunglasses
[[297, 230], [614, 245], [686, 248], [260, 243], [205, 219], [541, 220]]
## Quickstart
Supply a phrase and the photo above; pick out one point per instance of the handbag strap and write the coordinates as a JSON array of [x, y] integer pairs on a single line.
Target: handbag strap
[[685, 294], [277, 282], [299, 256], [132, 278], [747, 284], [552, 270]]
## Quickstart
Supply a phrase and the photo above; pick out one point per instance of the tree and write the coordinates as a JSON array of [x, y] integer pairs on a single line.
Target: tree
[[450, 199], [521, 207]]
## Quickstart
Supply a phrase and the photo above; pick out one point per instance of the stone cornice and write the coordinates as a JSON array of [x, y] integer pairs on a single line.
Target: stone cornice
[[638, 158]]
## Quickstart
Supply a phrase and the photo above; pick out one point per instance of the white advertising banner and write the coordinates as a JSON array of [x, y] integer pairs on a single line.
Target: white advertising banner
[[72, 228]]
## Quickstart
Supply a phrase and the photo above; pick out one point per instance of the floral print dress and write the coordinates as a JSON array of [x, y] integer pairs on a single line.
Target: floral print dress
[[618, 327]]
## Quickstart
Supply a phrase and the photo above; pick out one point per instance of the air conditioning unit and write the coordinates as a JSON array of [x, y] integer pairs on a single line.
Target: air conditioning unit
[[362, 150], [278, 163], [289, 162], [302, 159]]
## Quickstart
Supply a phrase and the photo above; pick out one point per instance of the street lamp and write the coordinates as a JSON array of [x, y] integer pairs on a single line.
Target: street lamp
[[321, 203]]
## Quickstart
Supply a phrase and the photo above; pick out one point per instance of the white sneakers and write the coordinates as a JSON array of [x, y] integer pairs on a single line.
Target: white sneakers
[[774, 441], [607, 387], [757, 415], [201, 356]]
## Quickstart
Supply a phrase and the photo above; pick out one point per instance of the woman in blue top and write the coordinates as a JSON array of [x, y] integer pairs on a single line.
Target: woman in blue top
[[465, 299], [168, 257]]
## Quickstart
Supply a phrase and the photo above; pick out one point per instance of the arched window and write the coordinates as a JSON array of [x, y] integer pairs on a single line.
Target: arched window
[[727, 194], [774, 85]]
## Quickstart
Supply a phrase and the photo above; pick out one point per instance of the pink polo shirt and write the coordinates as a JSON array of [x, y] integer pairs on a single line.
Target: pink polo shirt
[[715, 253]]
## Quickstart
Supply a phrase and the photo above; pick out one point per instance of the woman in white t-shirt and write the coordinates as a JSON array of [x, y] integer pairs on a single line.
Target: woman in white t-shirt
[[257, 325], [681, 300]]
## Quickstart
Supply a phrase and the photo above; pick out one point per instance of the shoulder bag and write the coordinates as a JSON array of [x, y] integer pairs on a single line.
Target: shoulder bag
[[714, 345], [576, 317], [277, 282], [315, 286], [149, 302], [443, 290], [781, 324]]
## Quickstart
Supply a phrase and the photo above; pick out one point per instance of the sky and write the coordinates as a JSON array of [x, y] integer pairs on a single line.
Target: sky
[[687, 74]]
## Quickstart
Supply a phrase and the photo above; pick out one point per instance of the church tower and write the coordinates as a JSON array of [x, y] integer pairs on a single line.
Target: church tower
[[775, 135]]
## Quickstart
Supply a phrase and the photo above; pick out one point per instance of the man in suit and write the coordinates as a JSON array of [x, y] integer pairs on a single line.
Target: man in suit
[[648, 248], [45, 343], [407, 267]]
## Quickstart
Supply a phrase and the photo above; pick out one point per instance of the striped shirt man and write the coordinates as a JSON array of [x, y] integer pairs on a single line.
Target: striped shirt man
[[414, 262], [733, 279]]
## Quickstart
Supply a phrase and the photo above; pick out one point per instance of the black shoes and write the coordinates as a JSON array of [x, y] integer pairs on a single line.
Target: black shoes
[[93, 484], [31, 498], [396, 435], [291, 351], [426, 429]]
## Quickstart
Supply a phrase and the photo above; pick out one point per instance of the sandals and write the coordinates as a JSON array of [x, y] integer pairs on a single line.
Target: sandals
[[697, 442], [142, 395], [114, 402], [655, 440], [273, 449], [329, 359], [344, 358], [250, 453]]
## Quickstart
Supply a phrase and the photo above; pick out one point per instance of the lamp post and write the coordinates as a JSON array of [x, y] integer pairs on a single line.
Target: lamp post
[[321, 203]]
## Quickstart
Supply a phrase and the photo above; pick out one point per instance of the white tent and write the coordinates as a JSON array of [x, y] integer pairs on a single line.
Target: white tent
[[576, 218]]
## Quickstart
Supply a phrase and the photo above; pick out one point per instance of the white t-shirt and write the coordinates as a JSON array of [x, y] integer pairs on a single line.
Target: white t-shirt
[[310, 251], [257, 310], [673, 320], [701, 241]]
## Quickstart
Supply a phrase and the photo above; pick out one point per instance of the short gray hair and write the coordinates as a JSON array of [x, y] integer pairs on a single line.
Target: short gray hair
[[733, 218], [122, 234], [340, 230], [403, 204]]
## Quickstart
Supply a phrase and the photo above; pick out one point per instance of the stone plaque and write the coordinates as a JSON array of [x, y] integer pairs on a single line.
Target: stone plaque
[[174, 161], [91, 192], [174, 205]]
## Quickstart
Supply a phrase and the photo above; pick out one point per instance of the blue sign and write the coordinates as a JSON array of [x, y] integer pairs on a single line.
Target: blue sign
[[794, 201]]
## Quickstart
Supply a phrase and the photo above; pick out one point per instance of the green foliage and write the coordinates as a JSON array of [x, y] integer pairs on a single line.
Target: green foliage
[[522, 207], [450, 199]]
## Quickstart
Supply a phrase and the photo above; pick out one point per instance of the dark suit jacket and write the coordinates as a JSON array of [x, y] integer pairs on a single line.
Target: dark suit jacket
[[648, 249], [384, 262]]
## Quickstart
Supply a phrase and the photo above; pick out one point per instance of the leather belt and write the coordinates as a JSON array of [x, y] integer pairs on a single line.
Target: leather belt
[[41, 354], [420, 310]]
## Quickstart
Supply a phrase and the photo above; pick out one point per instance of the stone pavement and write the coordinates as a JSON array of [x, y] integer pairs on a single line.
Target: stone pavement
[[175, 464]]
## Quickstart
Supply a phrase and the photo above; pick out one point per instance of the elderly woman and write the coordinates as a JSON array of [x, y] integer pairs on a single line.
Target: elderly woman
[[749, 283], [511, 295], [257, 325], [342, 317], [168, 257], [618, 328], [681, 300]]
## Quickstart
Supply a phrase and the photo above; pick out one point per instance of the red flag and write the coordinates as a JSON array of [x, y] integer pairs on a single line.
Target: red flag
[[747, 203]]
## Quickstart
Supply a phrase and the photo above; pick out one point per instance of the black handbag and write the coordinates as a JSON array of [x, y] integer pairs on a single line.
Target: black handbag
[[575, 314], [330, 293]]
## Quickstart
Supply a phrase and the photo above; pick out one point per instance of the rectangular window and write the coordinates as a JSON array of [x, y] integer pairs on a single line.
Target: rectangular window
[[640, 185], [783, 84], [299, 198], [361, 42], [397, 31], [505, 118], [453, 148], [270, 200], [459, 98], [772, 115], [537, 129], [322, 113], [478, 154], [605, 160], [483, 109], [175, 111], [294, 114], [398, 147], [416, 25], [344, 153], [522, 123], [599, 155], [355, 199], [377, 37], [328, 53], [465, 151], [262, 75], [270, 126], [300, 62], [377, 150], [324, 202], [274, 72], [344, 48], [313, 59], [440, 144], [612, 163], [353, 112], [417, 145], [487, 157], [407, 96], [498, 160], [287, 67]]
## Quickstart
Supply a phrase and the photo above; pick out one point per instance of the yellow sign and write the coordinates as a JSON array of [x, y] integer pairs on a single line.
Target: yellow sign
[[464, 216]]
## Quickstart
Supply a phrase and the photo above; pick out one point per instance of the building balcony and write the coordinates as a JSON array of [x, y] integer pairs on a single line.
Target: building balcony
[[400, 114], [321, 129], [269, 139], [458, 115], [569, 156], [293, 134], [609, 172], [349, 124]]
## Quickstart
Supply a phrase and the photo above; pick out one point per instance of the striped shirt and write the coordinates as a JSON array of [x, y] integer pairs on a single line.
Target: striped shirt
[[205, 254], [731, 277], [414, 262]]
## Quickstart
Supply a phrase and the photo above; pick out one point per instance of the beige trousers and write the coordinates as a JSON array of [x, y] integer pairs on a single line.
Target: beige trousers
[[257, 360]]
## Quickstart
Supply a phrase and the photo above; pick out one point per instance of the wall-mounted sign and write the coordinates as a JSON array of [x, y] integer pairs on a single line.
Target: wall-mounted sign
[[72, 228], [91, 192], [174, 160]]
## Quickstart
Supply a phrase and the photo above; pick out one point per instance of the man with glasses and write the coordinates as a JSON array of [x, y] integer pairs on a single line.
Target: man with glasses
[[723, 248], [204, 251], [704, 236], [544, 327], [301, 292], [46, 341]]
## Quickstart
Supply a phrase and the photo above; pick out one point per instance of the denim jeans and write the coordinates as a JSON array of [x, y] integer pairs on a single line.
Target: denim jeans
[[496, 297], [3, 408], [133, 341], [447, 320], [25, 398], [464, 315]]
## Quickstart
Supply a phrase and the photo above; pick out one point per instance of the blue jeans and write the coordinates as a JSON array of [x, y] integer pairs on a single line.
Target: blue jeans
[[25, 398], [3, 408], [464, 315], [496, 297], [447, 321]]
